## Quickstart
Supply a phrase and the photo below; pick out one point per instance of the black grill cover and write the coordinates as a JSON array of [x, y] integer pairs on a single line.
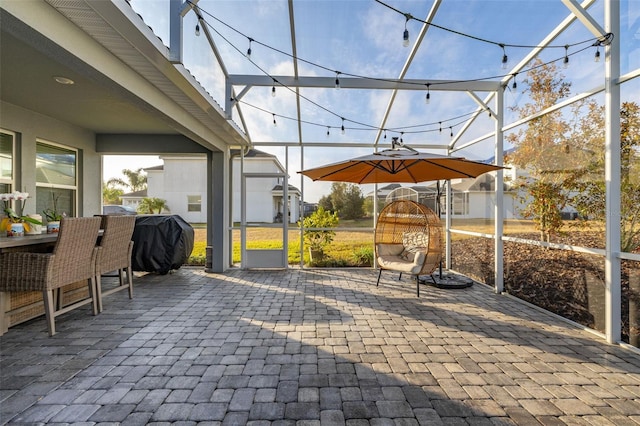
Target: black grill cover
[[161, 243]]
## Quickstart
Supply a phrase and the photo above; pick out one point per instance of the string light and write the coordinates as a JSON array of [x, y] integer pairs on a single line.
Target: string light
[[565, 62], [405, 35], [515, 84], [427, 98], [596, 58], [337, 80], [451, 130], [462, 117], [273, 92], [605, 40], [342, 127], [249, 49], [505, 58], [275, 124], [198, 29]]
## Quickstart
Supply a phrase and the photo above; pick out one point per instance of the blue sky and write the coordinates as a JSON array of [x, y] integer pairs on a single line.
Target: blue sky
[[364, 37]]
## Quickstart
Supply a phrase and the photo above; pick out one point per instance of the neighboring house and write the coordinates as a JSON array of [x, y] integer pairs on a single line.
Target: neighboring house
[[471, 198], [133, 199], [181, 181]]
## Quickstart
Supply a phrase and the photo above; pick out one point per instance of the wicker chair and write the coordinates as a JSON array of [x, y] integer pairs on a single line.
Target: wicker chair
[[114, 254], [73, 259], [408, 239]]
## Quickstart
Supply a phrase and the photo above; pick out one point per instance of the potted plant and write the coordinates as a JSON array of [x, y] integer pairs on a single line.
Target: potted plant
[[317, 239], [16, 223], [53, 216]]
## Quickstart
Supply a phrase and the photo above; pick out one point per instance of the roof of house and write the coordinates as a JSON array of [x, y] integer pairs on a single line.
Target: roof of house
[[291, 188], [252, 153], [135, 194]]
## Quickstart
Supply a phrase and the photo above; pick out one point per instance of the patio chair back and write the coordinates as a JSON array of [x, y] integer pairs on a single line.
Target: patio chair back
[[72, 260], [114, 254]]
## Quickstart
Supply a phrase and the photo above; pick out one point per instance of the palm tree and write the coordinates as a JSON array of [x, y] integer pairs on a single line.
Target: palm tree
[[136, 180], [111, 194], [152, 205]]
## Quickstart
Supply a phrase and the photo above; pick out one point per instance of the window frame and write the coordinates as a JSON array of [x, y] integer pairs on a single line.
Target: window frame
[[193, 204], [72, 188], [11, 180]]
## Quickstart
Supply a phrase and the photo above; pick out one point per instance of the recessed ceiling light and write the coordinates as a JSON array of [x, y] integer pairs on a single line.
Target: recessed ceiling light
[[63, 80]]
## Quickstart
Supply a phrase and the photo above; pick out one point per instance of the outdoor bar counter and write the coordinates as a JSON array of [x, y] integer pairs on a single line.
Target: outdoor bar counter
[[18, 307]]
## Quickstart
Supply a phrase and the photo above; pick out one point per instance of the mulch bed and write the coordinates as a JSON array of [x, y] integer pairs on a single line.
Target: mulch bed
[[567, 283]]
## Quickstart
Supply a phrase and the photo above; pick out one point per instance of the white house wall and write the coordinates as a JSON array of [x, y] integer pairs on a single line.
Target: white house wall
[[182, 176], [30, 126]]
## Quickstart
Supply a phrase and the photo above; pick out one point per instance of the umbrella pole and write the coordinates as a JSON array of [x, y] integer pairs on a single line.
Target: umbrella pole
[[438, 208]]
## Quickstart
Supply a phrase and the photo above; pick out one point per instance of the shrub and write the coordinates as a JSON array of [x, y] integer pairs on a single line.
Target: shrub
[[363, 256]]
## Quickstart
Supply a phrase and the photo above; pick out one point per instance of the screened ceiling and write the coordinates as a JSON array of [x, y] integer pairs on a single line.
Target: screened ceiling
[[360, 44]]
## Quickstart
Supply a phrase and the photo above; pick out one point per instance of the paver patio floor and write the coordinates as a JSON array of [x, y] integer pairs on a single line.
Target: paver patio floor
[[311, 347]]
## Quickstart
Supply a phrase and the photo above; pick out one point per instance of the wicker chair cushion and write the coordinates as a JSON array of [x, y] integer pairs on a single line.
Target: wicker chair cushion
[[413, 241]]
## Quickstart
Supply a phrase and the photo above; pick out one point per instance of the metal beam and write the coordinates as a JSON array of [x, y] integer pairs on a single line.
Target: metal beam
[[363, 83], [405, 68], [294, 52], [586, 19], [612, 176]]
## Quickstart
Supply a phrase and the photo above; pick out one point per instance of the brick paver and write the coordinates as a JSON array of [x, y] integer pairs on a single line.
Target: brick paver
[[312, 347]]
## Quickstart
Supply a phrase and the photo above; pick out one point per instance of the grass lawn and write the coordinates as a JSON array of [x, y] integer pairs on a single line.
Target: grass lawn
[[347, 246]]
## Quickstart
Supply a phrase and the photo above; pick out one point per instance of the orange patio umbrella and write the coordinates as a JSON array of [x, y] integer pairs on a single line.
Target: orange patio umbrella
[[398, 165]]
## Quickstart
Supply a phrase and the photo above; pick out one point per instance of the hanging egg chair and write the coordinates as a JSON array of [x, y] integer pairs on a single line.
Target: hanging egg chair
[[408, 239]]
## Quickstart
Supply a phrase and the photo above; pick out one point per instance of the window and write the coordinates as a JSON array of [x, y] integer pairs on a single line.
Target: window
[[56, 178], [6, 161], [194, 203]]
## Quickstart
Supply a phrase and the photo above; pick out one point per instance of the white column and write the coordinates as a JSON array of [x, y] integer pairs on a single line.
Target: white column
[[499, 193], [613, 300]]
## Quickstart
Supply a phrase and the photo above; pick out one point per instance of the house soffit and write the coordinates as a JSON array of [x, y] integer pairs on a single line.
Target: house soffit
[[114, 25]]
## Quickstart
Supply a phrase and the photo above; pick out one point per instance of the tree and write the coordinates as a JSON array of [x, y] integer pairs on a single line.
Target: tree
[[541, 149], [367, 206], [345, 199], [325, 202], [136, 180], [317, 239], [111, 194], [587, 183], [152, 205]]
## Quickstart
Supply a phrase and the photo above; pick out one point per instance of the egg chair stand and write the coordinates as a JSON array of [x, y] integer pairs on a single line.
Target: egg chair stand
[[408, 239]]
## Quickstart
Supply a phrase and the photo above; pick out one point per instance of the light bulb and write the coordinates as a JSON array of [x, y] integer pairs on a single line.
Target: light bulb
[[337, 81], [505, 61], [249, 49], [328, 131], [515, 84], [596, 58], [342, 127], [273, 91], [275, 124], [565, 62], [197, 30], [427, 99], [405, 38]]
